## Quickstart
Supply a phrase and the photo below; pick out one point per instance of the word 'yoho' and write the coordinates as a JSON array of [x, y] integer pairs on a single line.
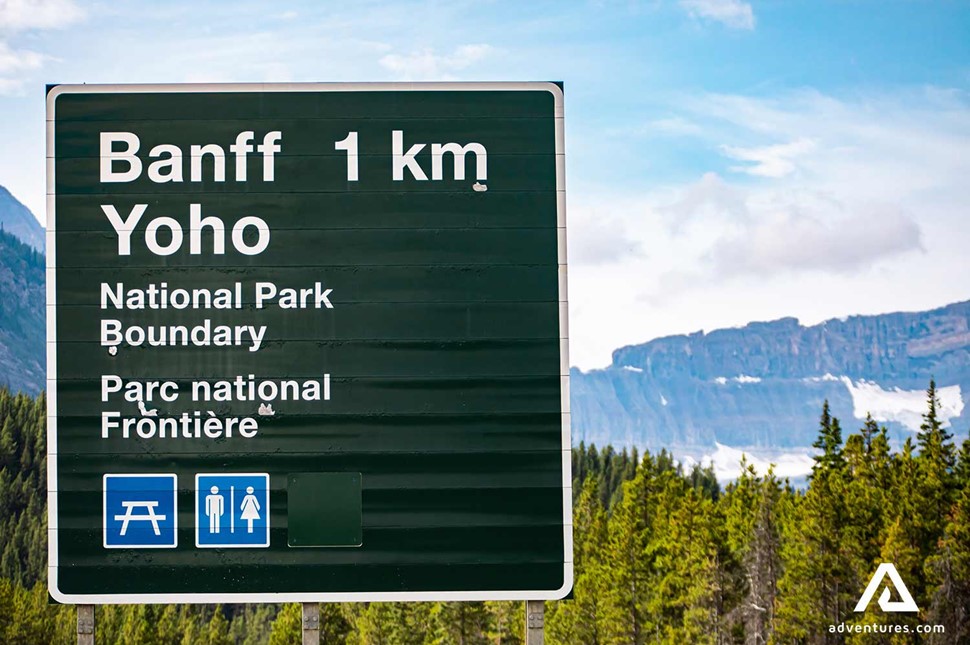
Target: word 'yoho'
[[171, 240]]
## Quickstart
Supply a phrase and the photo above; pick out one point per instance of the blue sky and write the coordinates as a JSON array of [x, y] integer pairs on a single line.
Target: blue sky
[[727, 160]]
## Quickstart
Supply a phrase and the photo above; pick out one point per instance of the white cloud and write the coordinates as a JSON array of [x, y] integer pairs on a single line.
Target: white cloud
[[731, 13], [23, 15], [11, 87], [12, 62], [670, 126], [770, 161], [597, 239], [14, 66], [793, 240], [709, 195], [673, 126], [426, 64], [879, 146]]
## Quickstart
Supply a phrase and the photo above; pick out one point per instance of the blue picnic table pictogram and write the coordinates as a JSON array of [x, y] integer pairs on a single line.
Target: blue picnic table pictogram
[[140, 511]]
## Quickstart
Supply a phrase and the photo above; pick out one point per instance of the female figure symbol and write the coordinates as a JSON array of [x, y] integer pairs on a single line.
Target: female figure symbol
[[249, 508]]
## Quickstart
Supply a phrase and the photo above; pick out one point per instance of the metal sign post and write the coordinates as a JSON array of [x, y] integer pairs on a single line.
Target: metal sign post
[[307, 342], [311, 623], [534, 622], [85, 625]]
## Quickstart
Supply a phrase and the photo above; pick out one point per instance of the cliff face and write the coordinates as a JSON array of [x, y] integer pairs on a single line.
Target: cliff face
[[17, 219], [763, 385], [22, 319]]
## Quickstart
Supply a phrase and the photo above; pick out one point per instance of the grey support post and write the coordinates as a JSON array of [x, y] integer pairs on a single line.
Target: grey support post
[[311, 623], [534, 619], [85, 625]]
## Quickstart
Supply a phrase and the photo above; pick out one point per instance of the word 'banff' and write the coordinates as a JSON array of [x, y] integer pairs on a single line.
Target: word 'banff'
[[169, 164]]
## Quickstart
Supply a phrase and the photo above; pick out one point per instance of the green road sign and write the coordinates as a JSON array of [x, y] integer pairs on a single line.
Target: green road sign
[[307, 342]]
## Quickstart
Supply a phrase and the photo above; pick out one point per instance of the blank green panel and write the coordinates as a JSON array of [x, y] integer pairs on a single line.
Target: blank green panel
[[323, 509]]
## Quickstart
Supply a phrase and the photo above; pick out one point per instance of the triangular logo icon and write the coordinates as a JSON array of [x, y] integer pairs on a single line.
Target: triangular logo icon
[[905, 604]]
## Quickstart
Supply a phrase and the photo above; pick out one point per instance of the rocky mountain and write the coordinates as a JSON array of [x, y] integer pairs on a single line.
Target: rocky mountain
[[22, 319], [760, 388], [17, 219]]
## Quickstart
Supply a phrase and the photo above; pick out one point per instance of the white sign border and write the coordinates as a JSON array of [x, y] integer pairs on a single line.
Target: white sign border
[[211, 598]]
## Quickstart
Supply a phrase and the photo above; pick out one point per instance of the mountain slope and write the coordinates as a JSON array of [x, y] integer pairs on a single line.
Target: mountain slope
[[22, 319], [17, 219], [762, 386]]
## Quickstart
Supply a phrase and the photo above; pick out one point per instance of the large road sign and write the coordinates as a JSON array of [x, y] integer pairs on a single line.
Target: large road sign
[[307, 342]]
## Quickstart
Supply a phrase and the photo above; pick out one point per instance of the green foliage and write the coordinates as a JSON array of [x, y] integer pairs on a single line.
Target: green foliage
[[23, 488], [661, 554], [755, 508], [607, 467], [287, 628], [506, 620], [818, 585]]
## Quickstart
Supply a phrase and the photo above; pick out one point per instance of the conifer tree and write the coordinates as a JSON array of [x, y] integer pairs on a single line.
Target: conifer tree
[[506, 619], [288, 626], [814, 590], [629, 558], [166, 629], [458, 623], [948, 568], [135, 628], [937, 481], [582, 621], [686, 598], [752, 534], [869, 474], [217, 631]]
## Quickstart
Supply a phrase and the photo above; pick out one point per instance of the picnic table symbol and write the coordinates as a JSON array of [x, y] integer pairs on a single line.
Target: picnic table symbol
[[129, 515], [140, 510]]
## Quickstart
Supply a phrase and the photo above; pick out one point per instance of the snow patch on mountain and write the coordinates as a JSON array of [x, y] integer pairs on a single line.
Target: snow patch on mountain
[[903, 406], [821, 379], [727, 462], [740, 378]]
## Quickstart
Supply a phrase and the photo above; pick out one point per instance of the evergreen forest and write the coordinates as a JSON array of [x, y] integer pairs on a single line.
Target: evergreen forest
[[663, 554]]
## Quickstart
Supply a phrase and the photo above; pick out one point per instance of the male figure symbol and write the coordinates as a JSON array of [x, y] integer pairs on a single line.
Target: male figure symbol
[[215, 505]]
